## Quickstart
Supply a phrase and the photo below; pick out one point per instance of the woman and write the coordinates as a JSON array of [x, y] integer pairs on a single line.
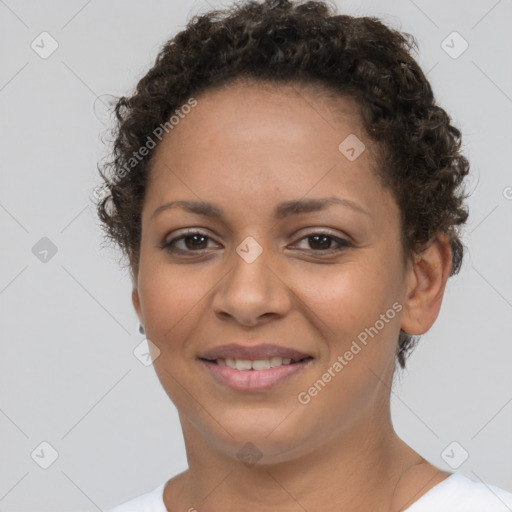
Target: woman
[[288, 196]]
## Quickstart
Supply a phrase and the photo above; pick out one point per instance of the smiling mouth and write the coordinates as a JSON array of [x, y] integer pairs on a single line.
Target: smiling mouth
[[257, 364]]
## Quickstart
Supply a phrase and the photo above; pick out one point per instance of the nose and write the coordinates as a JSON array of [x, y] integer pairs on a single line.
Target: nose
[[252, 291]]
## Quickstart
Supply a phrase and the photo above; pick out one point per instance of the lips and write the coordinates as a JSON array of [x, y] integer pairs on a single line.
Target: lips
[[253, 368], [252, 353]]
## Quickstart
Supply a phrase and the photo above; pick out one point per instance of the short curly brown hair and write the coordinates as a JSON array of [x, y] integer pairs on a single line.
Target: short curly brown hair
[[300, 42]]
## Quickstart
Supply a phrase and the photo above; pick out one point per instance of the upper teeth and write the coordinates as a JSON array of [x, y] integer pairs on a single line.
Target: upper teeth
[[259, 364]]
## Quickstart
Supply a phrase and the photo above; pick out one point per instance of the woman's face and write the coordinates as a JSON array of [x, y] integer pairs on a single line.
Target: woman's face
[[326, 281]]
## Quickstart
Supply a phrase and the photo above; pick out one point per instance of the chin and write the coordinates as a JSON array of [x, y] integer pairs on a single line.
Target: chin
[[262, 437]]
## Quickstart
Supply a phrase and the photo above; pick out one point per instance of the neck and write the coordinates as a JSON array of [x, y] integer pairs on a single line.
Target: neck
[[365, 469]]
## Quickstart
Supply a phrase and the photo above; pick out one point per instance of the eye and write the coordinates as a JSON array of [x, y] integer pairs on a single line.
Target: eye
[[197, 241], [322, 242], [193, 241]]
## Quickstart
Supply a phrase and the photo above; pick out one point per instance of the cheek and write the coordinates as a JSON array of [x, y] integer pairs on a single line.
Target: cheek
[[349, 301], [350, 296], [172, 299]]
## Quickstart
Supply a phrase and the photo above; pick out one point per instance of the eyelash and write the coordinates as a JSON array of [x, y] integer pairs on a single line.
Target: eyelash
[[344, 244]]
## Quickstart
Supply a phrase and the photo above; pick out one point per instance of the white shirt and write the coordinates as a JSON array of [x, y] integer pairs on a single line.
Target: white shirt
[[456, 493]]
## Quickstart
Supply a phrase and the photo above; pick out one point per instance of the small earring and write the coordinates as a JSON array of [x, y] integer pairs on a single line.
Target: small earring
[[141, 329]]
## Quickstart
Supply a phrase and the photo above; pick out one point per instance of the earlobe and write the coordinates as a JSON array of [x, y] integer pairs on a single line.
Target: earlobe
[[426, 284]]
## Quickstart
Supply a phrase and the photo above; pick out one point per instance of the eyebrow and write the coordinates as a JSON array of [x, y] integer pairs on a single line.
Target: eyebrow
[[282, 210]]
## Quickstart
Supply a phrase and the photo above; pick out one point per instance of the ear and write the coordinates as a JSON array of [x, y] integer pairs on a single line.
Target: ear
[[426, 281], [136, 303]]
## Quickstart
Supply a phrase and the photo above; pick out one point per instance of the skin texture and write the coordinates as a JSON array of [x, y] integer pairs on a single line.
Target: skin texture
[[246, 148]]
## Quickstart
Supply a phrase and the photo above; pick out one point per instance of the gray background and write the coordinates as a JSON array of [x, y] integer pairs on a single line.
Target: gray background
[[68, 375]]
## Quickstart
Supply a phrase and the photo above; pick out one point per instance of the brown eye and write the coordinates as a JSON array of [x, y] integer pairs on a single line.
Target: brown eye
[[322, 242], [193, 241]]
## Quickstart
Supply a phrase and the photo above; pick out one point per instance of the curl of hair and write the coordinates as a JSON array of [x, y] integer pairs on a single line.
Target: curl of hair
[[301, 42]]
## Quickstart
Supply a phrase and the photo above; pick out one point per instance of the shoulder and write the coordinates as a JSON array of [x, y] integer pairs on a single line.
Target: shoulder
[[151, 501], [458, 493]]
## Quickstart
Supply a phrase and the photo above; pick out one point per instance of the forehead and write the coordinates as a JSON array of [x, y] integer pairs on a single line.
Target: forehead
[[252, 100], [249, 119], [263, 142]]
